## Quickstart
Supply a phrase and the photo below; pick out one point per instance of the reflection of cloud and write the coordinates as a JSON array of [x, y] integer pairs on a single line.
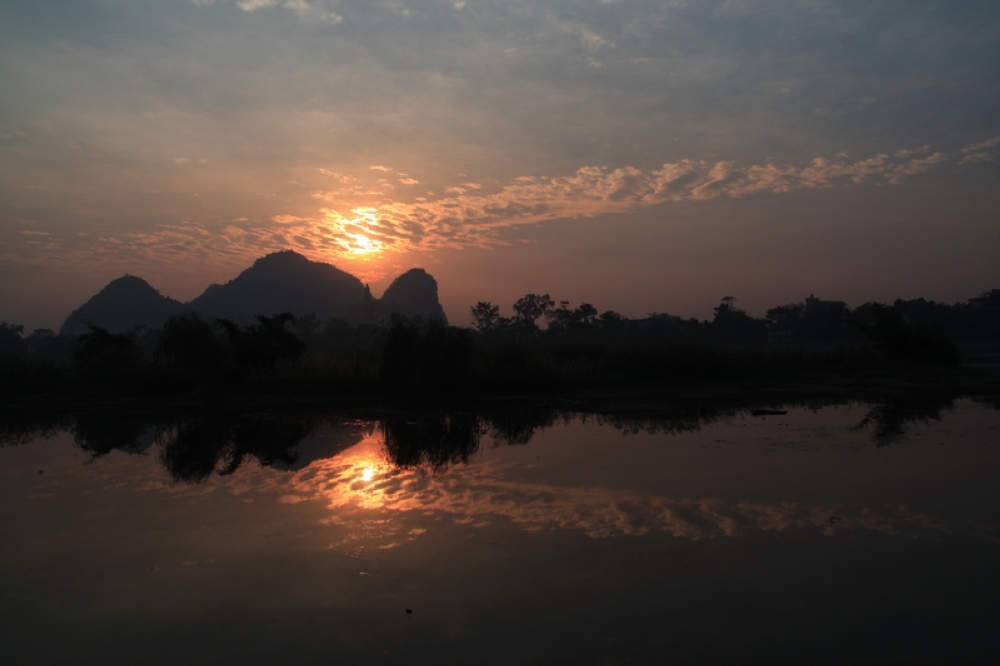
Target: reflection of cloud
[[479, 493], [377, 505]]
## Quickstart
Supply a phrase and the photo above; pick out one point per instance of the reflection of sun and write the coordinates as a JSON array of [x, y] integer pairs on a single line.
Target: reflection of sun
[[355, 477]]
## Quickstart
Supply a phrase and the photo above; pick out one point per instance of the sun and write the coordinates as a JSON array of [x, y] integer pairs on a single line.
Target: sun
[[359, 244], [357, 236]]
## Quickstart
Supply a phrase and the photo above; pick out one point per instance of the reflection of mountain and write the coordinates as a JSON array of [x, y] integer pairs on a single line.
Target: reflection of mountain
[[279, 282], [325, 441]]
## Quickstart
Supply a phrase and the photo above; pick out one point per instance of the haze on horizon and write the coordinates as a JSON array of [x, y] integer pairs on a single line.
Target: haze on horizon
[[642, 156]]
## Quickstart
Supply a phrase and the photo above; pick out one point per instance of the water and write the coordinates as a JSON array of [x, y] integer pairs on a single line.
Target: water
[[828, 534]]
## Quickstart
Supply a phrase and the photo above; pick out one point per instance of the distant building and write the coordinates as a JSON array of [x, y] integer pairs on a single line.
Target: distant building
[[988, 301], [814, 304]]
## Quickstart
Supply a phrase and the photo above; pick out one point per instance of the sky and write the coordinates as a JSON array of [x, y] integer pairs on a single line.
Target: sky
[[641, 156]]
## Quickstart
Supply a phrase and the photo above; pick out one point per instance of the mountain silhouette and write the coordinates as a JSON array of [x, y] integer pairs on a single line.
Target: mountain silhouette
[[279, 282], [122, 305], [412, 294], [282, 282]]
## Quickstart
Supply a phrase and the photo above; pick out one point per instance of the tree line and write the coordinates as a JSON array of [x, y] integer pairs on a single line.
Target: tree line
[[543, 346], [918, 328]]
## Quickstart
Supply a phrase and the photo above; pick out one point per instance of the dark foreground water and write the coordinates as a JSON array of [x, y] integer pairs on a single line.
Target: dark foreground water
[[831, 534]]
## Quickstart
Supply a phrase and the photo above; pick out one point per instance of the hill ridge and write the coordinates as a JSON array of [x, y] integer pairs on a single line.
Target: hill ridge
[[283, 281]]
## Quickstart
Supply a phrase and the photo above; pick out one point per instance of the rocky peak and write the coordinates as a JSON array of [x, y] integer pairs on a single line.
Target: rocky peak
[[414, 293]]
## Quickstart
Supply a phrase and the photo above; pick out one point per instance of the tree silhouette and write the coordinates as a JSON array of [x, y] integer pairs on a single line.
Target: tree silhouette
[[102, 356], [564, 320], [11, 341], [190, 344], [485, 316], [530, 308], [260, 346], [897, 338], [426, 356], [734, 326]]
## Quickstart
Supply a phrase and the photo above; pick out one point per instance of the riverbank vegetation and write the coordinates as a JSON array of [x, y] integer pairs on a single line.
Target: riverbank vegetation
[[543, 348]]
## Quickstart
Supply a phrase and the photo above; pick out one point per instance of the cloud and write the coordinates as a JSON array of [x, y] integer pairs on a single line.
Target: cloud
[[977, 147], [302, 8], [977, 157], [590, 37], [470, 214], [467, 216], [915, 166], [916, 151], [254, 5]]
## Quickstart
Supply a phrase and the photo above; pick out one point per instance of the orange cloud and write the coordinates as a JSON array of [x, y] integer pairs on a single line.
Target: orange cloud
[[471, 214]]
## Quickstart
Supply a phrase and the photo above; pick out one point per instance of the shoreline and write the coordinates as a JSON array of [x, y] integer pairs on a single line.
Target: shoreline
[[884, 384]]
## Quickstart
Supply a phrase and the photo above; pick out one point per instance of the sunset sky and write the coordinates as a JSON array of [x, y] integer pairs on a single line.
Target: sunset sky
[[642, 156]]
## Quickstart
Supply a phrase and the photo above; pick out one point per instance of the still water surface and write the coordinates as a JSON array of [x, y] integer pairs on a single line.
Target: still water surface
[[861, 533]]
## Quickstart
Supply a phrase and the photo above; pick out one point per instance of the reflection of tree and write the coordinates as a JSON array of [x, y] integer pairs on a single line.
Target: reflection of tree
[[889, 419], [518, 426], [446, 439], [191, 450], [269, 440], [20, 427], [434, 441], [668, 423], [99, 434], [195, 448], [991, 400]]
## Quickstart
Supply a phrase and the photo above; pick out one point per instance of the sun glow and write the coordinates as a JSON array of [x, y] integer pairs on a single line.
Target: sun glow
[[358, 477], [357, 236], [361, 244]]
